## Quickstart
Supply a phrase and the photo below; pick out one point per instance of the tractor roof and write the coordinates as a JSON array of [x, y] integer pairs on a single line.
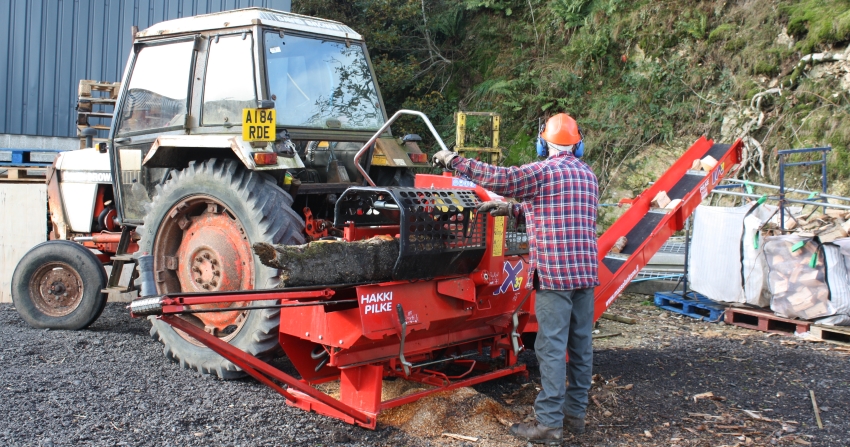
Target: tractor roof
[[247, 17]]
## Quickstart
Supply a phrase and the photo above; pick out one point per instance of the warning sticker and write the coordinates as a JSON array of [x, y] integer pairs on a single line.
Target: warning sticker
[[498, 235], [258, 124]]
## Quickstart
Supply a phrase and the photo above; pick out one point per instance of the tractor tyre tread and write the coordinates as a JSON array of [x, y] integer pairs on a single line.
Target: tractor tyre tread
[[269, 219]]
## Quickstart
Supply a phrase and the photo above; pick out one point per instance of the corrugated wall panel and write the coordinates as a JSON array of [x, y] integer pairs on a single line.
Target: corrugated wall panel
[[52, 44], [16, 66], [5, 54], [47, 89]]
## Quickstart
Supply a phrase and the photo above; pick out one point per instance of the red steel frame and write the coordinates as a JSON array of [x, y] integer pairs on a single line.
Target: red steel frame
[[612, 283], [488, 308]]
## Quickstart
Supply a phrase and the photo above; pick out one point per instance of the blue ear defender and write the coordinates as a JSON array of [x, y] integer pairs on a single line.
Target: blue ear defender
[[579, 149], [542, 148]]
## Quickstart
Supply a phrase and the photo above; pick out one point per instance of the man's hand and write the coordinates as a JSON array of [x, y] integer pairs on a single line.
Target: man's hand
[[444, 159], [495, 208]]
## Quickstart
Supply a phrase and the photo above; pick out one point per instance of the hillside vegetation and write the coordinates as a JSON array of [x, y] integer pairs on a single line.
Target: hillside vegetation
[[644, 78]]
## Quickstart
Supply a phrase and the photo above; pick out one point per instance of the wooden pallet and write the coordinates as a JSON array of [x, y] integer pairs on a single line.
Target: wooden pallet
[[839, 335], [95, 112], [693, 305], [21, 174], [87, 86], [765, 321]]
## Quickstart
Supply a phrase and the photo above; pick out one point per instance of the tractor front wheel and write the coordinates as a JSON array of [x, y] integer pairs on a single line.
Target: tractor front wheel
[[58, 285], [200, 228]]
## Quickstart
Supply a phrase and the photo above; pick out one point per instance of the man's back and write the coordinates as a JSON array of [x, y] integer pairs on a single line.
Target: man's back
[[561, 218]]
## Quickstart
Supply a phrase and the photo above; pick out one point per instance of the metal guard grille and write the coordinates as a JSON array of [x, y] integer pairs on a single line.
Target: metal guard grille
[[440, 233], [516, 239]]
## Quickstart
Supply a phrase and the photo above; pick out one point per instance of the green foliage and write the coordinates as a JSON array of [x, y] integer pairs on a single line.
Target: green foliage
[[694, 27], [637, 75], [723, 32], [735, 45], [497, 5], [570, 13], [765, 68], [818, 22]]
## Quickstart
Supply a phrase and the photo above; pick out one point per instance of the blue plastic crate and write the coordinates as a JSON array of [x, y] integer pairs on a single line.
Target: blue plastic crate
[[693, 305]]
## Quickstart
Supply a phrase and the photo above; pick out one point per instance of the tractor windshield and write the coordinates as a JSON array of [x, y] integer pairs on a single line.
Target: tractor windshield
[[321, 84]]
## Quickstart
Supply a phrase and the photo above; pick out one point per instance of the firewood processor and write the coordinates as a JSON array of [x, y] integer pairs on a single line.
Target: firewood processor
[[455, 294]]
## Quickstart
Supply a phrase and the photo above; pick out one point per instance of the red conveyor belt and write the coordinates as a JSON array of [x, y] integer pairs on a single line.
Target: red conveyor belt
[[647, 229]]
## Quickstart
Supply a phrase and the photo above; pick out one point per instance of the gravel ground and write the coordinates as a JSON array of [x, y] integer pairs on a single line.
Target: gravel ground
[[111, 385]]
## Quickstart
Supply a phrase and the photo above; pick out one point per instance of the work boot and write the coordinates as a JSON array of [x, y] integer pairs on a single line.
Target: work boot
[[538, 433], [574, 424]]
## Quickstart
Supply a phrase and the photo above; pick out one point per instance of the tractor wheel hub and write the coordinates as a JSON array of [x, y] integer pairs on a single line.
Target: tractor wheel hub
[[56, 289], [215, 255]]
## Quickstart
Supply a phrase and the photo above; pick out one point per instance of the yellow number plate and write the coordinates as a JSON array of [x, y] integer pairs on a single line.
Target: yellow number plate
[[258, 124]]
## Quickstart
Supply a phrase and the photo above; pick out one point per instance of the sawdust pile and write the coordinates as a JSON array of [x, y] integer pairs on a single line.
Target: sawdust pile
[[462, 411]]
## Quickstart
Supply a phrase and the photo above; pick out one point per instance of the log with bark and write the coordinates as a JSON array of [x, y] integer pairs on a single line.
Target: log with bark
[[331, 262], [619, 245]]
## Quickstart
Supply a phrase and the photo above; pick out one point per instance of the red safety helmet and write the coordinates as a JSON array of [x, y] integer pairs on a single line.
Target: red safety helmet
[[562, 130]]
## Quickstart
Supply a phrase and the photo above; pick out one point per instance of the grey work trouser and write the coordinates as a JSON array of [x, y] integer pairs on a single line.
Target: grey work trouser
[[565, 319]]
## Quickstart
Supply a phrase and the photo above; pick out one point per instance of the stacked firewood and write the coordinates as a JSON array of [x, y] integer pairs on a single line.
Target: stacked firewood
[[829, 226], [797, 277]]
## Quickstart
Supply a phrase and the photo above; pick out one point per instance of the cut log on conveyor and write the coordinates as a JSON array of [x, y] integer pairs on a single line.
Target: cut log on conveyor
[[331, 262], [621, 243]]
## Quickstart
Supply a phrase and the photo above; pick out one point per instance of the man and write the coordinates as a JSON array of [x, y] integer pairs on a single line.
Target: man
[[559, 199]]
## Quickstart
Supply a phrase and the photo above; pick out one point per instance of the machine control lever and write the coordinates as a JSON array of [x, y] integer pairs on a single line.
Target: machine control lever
[[403, 322], [515, 335]]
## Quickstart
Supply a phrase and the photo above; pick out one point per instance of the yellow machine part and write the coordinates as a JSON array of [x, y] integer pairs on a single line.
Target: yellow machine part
[[491, 154]]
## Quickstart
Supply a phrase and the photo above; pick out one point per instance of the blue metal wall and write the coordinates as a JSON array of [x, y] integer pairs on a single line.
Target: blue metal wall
[[47, 46]]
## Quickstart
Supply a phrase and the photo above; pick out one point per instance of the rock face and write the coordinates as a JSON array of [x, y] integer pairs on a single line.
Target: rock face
[[331, 262]]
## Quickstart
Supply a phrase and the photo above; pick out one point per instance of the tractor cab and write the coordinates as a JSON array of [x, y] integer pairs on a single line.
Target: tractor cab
[[190, 83]]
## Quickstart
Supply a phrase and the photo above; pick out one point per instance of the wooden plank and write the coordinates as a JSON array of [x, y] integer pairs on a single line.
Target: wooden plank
[[620, 318], [23, 218]]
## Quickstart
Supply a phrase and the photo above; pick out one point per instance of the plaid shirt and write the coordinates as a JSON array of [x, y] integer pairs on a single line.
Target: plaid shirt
[[559, 197]]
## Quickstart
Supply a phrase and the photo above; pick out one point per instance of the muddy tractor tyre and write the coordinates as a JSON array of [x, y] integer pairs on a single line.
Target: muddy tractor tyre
[[199, 228], [58, 285]]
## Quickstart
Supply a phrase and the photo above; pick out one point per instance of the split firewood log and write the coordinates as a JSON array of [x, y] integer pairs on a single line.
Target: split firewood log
[[673, 204], [835, 214], [832, 233], [708, 163], [661, 200], [331, 262]]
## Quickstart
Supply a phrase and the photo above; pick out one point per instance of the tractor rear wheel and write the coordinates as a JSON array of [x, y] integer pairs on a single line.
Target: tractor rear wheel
[[200, 228]]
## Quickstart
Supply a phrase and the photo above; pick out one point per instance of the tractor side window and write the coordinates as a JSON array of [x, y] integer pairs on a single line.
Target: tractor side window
[[229, 83], [159, 88]]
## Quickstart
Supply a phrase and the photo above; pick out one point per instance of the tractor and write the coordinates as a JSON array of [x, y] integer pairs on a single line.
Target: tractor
[[229, 129]]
